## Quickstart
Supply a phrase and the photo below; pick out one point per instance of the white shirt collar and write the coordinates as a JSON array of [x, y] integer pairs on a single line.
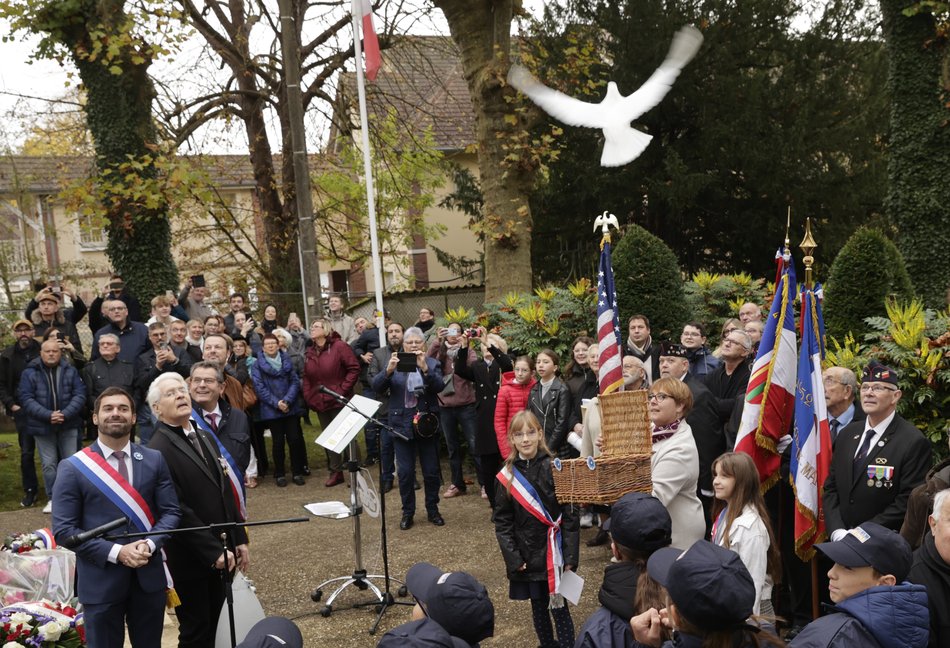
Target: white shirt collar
[[107, 452], [880, 427], [216, 410]]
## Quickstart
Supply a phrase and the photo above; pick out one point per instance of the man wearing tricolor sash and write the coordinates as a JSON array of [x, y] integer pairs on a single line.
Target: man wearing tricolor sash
[[123, 581], [206, 495]]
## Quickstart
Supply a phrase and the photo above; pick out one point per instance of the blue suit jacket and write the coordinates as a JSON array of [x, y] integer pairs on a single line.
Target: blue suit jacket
[[78, 505]]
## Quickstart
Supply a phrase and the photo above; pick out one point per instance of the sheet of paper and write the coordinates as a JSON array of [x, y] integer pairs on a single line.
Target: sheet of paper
[[347, 424], [337, 510], [571, 586]]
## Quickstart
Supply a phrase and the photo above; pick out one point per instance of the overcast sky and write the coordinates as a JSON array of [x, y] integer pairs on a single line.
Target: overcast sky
[[35, 88]]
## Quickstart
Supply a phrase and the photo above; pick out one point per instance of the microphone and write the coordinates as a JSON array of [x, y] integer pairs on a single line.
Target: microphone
[[329, 392], [79, 538]]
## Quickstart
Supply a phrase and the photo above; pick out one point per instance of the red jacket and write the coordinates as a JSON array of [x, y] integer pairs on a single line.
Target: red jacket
[[512, 398], [334, 366]]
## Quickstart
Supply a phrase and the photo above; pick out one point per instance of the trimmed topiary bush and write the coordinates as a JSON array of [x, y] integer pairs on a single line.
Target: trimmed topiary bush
[[868, 270], [649, 281]]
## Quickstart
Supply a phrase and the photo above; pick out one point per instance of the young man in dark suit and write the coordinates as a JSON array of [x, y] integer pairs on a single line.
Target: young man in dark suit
[[119, 582]]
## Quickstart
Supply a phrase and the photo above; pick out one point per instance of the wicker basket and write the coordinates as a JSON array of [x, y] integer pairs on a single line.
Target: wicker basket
[[623, 466]]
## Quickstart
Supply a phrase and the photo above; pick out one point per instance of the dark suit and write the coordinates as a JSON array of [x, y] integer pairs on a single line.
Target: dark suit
[[205, 497], [114, 594], [707, 431], [234, 431], [849, 501]]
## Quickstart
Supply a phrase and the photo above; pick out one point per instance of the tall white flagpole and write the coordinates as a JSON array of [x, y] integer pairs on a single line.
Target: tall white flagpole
[[368, 173]]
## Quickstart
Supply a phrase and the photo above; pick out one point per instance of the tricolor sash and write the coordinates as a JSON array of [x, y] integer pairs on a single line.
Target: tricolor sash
[[119, 491], [232, 471], [525, 494]]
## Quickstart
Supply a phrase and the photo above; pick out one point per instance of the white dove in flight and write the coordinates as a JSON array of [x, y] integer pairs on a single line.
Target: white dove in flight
[[622, 144]]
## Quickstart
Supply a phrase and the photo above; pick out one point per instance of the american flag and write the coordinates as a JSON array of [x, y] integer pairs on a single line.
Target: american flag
[[608, 324]]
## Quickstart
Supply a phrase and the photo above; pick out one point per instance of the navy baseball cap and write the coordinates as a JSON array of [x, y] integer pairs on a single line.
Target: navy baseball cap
[[454, 600], [640, 521], [423, 633], [672, 349], [872, 545], [273, 632], [709, 584]]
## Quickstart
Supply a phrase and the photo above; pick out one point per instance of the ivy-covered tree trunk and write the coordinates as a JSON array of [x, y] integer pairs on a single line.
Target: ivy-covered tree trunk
[[919, 155], [113, 66], [481, 29]]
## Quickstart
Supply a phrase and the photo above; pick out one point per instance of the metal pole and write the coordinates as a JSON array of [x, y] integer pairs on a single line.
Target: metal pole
[[306, 234], [368, 175]]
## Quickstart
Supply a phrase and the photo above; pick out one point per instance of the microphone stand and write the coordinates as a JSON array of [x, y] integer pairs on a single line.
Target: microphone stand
[[227, 544], [383, 599]]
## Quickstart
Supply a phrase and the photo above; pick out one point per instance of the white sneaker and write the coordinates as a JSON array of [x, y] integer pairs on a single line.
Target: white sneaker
[[49, 507], [587, 520], [267, 434]]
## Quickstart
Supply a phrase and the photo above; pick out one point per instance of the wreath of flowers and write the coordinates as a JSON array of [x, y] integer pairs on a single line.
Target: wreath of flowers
[[19, 543], [41, 625]]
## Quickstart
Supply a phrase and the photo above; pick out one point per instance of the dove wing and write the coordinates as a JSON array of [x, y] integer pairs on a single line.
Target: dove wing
[[568, 110], [686, 43]]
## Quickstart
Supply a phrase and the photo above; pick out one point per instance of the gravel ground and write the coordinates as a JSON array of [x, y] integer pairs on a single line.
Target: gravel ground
[[289, 561]]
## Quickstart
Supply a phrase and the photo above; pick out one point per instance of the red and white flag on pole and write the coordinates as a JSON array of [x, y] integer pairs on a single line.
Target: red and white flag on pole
[[363, 9]]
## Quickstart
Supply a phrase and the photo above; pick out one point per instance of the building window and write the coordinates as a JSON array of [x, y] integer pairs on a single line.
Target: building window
[[92, 233]]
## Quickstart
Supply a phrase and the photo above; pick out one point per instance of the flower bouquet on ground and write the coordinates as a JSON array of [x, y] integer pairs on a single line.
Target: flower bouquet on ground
[[41, 625], [32, 568]]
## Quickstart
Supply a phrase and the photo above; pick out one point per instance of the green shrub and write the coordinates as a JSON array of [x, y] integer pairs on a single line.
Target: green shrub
[[714, 298], [916, 343], [550, 318], [649, 281], [868, 269]]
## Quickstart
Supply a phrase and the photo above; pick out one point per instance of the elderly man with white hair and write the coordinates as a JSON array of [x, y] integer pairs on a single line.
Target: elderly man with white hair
[[931, 568], [206, 497]]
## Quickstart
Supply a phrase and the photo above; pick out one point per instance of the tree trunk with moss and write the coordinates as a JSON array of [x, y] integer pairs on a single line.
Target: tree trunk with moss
[[113, 66], [919, 154], [481, 29]]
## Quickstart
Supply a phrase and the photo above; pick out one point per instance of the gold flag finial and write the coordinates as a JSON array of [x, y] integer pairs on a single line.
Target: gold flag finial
[[808, 246]]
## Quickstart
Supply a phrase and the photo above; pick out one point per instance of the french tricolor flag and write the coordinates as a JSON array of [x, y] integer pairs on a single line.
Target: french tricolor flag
[[363, 9]]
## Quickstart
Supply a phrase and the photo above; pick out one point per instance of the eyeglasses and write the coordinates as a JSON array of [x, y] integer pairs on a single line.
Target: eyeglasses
[[691, 334], [659, 397], [525, 434], [736, 342], [831, 380], [204, 381], [876, 389]]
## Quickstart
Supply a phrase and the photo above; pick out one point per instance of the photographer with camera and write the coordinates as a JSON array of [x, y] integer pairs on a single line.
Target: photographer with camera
[[412, 382]]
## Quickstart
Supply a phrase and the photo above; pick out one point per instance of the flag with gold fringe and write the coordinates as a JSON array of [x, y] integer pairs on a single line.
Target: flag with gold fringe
[[770, 396]]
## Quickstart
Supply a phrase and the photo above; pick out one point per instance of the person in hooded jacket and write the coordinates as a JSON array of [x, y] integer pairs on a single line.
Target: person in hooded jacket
[[873, 605], [638, 526]]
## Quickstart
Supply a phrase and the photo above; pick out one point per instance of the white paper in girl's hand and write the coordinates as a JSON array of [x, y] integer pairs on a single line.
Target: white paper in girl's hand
[[571, 586]]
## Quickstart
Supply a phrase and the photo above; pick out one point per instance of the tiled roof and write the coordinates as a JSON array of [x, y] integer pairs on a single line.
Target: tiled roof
[[422, 80], [48, 174]]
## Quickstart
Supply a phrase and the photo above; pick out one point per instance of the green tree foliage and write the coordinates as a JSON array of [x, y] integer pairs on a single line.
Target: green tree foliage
[[919, 151], [551, 317], [649, 281], [109, 48], [763, 118], [867, 270], [915, 342]]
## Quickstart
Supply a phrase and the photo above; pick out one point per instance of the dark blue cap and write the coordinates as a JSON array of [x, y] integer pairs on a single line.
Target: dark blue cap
[[872, 545], [876, 372], [640, 521], [424, 633], [454, 600], [673, 349], [708, 584], [273, 632]]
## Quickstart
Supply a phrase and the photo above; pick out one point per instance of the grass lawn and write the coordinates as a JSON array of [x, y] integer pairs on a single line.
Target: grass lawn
[[11, 491]]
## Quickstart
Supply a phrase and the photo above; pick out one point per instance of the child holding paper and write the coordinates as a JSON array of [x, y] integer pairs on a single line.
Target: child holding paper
[[539, 539]]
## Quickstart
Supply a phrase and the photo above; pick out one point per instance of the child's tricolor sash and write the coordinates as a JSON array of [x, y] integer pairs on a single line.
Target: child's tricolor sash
[[233, 472], [120, 492], [525, 494]]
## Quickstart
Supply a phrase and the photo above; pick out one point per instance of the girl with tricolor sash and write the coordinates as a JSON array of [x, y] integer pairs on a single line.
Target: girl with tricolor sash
[[539, 538]]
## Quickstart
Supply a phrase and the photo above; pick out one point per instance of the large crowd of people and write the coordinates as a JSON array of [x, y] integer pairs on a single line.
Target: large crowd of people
[[176, 404]]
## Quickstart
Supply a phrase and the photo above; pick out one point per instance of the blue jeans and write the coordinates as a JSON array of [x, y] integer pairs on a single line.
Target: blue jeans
[[451, 419], [27, 454], [53, 448], [428, 451]]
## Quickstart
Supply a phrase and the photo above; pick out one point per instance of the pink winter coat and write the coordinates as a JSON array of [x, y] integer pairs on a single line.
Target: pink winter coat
[[512, 398]]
